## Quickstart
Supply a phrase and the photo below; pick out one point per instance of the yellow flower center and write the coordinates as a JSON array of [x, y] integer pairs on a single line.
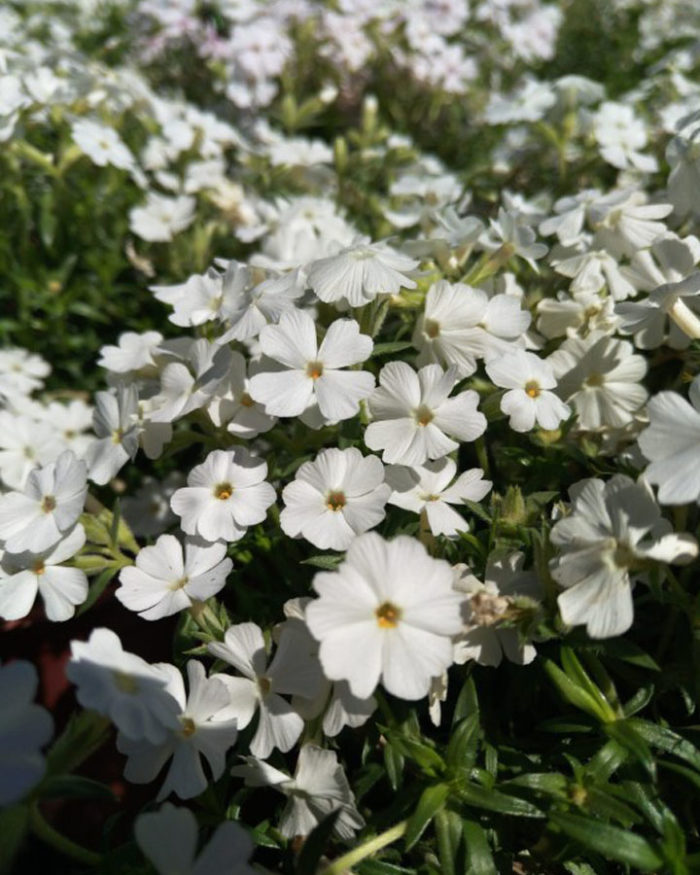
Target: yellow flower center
[[431, 328], [39, 567], [532, 388], [314, 370], [189, 727], [423, 415], [223, 491], [124, 682], [48, 503], [246, 400], [594, 380], [179, 584], [388, 615]]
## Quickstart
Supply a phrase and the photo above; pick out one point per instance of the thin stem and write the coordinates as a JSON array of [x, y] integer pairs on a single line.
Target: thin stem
[[48, 834], [482, 456], [342, 864]]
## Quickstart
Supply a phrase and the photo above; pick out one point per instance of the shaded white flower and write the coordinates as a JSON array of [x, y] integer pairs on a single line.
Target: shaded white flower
[[334, 498], [115, 423], [201, 728], [506, 592], [148, 512], [133, 353], [23, 575], [102, 144], [319, 786], [168, 578], [625, 223], [612, 530], [601, 378], [24, 444], [233, 406], [360, 272], [21, 372], [292, 671], [413, 416], [461, 324], [122, 686], [671, 443], [387, 613], [620, 135], [249, 303], [311, 373], [528, 401], [24, 729], [50, 504], [426, 489], [168, 838], [190, 383]]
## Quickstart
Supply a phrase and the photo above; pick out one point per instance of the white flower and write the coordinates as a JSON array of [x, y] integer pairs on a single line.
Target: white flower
[[319, 786], [413, 415], [600, 377], [672, 445], [506, 589], [52, 500], [72, 421], [224, 495], [134, 352], [625, 222], [248, 305], [115, 423], [24, 729], [122, 686], [612, 528], [360, 272], [387, 613], [528, 401], [426, 489], [189, 384], [334, 498], [168, 838], [292, 671], [22, 575], [162, 217], [101, 144], [620, 135], [148, 512], [201, 728], [24, 443], [311, 373], [21, 372], [462, 324], [233, 407], [163, 581]]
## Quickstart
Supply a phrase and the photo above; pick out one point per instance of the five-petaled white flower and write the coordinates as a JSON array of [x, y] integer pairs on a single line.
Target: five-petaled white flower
[[528, 400], [224, 495], [164, 581], [387, 613], [309, 373], [413, 415], [334, 498]]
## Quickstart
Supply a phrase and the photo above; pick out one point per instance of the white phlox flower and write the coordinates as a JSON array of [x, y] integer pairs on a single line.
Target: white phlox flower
[[102, 144], [224, 495], [202, 728], [426, 489], [506, 594], [24, 444], [387, 613], [612, 532], [147, 512], [512, 235], [189, 384], [115, 423], [319, 786], [251, 302], [122, 686], [21, 372], [24, 729], [529, 400], [168, 838], [335, 498], [624, 222], [568, 315], [232, 405], [462, 324], [309, 373], [61, 587], [601, 378], [671, 443], [413, 419], [360, 272], [169, 577], [48, 507], [162, 217], [72, 421], [291, 671]]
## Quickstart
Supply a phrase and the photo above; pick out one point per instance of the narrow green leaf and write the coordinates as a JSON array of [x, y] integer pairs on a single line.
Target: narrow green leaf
[[571, 692], [86, 732], [467, 701], [612, 842], [14, 825], [97, 587], [390, 348], [494, 800], [431, 801], [378, 867], [394, 763], [551, 783], [625, 735], [464, 743], [667, 740], [327, 562], [478, 857]]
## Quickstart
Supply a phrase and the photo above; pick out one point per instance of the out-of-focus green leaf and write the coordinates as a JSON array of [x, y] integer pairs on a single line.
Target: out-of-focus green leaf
[[612, 842], [431, 801]]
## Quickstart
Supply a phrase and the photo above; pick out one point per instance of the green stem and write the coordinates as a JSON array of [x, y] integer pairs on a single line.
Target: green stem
[[482, 456], [342, 864], [48, 834]]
